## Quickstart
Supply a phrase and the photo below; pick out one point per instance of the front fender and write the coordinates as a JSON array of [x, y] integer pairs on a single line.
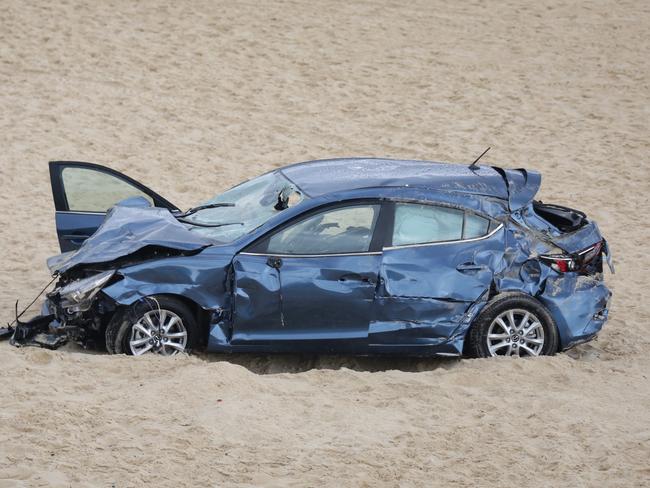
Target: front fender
[[200, 278]]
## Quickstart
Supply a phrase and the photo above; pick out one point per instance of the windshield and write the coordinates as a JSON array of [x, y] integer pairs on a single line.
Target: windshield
[[251, 204]]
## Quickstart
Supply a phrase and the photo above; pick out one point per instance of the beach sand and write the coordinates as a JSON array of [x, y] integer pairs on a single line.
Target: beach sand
[[194, 97]]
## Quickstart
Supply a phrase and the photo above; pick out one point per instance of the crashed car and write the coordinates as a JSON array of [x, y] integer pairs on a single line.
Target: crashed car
[[354, 256]]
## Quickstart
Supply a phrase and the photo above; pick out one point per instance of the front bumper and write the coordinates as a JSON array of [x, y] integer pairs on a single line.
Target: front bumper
[[37, 331], [54, 327]]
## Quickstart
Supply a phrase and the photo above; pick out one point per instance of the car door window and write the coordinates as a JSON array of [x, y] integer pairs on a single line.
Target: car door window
[[421, 224], [340, 230], [475, 226], [88, 190]]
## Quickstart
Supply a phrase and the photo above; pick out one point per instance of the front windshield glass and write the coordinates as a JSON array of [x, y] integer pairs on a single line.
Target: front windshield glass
[[255, 201]]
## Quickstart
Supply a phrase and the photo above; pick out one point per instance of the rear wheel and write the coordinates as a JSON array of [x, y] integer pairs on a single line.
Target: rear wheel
[[513, 325], [161, 325]]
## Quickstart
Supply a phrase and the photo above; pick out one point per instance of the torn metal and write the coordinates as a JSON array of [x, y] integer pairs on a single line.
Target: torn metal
[[127, 230], [38, 331]]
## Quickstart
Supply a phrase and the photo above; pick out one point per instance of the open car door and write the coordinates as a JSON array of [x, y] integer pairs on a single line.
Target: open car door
[[83, 192]]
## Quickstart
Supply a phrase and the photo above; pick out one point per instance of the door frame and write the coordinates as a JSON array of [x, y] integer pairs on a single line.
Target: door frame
[[254, 249]]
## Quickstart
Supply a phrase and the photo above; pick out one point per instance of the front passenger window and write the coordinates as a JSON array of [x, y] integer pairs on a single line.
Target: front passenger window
[[336, 231]]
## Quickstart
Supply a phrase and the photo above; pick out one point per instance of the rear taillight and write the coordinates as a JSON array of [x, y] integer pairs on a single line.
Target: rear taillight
[[591, 253], [576, 262], [560, 264]]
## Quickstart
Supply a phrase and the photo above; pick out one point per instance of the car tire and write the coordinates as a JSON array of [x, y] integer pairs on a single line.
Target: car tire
[[493, 333], [150, 335]]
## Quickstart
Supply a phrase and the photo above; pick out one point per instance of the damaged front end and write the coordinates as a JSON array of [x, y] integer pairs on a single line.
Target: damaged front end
[[74, 310], [35, 332], [77, 309], [80, 311]]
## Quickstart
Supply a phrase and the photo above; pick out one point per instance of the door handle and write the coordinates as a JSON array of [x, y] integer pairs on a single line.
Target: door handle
[[356, 277], [470, 267], [274, 262], [76, 239]]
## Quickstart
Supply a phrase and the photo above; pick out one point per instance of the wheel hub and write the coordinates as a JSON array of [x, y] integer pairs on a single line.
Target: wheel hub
[[158, 331], [515, 332]]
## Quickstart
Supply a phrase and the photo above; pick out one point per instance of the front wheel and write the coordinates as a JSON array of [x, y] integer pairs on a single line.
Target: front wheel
[[157, 324], [513, 325]]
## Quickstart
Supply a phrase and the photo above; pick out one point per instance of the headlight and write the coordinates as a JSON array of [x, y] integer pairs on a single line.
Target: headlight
[[77, 296]]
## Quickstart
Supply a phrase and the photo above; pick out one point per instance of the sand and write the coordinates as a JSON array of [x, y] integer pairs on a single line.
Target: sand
[[192, 98]]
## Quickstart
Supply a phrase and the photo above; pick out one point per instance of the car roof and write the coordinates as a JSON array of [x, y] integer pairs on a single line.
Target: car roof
[[317, 178]]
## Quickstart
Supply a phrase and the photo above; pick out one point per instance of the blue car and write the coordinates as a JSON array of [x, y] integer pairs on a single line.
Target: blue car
[[353, 256]]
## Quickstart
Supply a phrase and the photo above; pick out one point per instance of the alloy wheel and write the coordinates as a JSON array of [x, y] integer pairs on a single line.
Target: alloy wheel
[[158, 331], [515, 332]]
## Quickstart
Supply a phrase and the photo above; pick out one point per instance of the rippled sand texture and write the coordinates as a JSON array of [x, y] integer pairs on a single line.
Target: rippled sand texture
[[192, 98]]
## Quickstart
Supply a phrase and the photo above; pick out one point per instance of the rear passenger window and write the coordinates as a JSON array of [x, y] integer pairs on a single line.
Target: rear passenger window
[[418, 224], [475, 226], [422, 224]]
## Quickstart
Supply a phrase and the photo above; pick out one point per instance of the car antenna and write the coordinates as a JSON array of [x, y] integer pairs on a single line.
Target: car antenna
[[474, 165]]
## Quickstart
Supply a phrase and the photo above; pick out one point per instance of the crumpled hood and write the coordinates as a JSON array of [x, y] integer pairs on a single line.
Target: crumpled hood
[[125, 231]]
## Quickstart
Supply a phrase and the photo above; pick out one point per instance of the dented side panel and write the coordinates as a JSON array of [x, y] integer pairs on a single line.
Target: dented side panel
[[459, 271], [256, 298], [421, 321], [579, 305], [200, 278], [522, 270], [426, 291], [319, 298]]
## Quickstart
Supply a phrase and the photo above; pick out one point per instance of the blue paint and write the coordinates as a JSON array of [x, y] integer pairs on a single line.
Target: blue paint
[[418, 300], [128, 229], [574, 302], [74, 228], [318, 178]]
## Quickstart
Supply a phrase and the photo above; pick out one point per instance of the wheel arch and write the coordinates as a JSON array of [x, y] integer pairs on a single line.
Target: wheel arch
[[495, 296], [199, 313]]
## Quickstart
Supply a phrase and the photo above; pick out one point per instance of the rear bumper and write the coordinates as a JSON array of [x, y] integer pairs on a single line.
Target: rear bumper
[[579, 305]]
